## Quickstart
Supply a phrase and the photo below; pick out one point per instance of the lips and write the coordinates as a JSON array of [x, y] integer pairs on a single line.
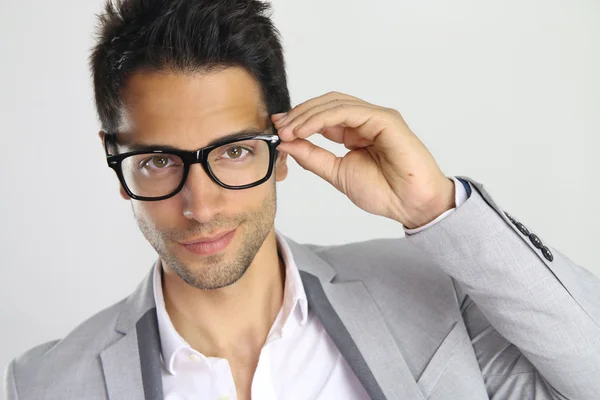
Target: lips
[[210, 245], [206, 240]]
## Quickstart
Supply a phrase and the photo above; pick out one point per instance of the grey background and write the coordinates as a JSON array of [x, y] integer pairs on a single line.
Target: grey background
[[507, 93]]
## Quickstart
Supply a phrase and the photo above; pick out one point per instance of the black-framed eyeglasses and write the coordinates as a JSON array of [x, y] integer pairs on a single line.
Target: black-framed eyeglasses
[[153, 174]]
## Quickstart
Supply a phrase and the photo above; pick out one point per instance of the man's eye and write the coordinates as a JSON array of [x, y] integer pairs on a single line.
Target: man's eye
[[159, 161], [235, 152]]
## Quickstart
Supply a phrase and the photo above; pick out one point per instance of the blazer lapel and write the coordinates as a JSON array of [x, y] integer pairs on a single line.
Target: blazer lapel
[[149, 349], [132, 365], [122, 372], [352, 320]]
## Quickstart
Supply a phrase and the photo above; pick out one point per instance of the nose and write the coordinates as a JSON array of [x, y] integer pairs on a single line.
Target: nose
[[202, 196]]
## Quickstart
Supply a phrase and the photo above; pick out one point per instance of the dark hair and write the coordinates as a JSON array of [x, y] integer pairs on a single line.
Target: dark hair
[[185, 36]]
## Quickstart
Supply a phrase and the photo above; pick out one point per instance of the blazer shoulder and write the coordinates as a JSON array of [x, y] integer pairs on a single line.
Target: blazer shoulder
[[70, 356], [378, 259]]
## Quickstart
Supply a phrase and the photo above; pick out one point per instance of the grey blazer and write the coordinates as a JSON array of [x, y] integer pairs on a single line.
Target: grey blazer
[[474, 307]]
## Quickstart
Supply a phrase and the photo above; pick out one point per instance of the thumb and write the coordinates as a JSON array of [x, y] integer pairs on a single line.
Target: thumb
[[313, 158]]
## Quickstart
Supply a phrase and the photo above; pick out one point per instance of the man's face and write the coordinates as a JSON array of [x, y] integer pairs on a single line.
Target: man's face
[[188, 111]]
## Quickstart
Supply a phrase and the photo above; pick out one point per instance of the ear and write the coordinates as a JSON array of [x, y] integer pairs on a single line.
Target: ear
[[124, 194], [281, 168]]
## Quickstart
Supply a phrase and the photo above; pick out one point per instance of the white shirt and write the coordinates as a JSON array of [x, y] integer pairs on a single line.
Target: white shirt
[[298, 361]]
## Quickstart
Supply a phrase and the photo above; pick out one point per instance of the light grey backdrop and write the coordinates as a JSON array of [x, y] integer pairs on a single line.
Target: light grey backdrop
[[505, 92]]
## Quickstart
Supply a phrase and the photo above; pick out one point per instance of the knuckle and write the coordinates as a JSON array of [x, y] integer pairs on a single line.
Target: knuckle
[[393, 111], [336, 103], [343, 107]]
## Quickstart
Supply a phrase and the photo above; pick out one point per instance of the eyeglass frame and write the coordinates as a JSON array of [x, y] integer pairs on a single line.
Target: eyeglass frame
[[189, 158]]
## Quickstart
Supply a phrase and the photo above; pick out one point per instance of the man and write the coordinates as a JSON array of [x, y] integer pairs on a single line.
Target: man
[[196, 123]]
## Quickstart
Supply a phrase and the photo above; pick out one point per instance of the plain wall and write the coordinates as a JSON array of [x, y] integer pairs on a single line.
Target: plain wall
[[507, 93]]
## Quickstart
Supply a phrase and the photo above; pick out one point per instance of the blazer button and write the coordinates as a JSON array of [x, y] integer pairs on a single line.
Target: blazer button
[[547, 253], [510, 218], [536, 241], [522, 229]]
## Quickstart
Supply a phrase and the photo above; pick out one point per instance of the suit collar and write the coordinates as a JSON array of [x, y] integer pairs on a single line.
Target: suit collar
[[308, 261], [137, 304], [132, 365]]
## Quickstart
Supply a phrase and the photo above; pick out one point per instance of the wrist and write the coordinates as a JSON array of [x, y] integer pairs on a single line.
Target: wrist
[[445, 200]]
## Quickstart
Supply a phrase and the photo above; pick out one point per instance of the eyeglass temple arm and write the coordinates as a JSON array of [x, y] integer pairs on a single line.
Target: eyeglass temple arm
[[108, 140]]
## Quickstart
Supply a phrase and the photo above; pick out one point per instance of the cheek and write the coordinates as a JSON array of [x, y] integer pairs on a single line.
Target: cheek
[[167, 215], [158, 215], [257, 203], [258, 197]]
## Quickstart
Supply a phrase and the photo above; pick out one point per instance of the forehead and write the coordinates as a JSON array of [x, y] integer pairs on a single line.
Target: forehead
[[189, 110]]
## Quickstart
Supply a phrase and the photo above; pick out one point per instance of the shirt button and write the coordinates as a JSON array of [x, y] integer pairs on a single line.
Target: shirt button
[[195, 357], [510, 218], [224, 397]]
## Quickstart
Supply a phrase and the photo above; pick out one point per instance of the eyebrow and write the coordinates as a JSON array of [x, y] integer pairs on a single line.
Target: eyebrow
[[226, 138]]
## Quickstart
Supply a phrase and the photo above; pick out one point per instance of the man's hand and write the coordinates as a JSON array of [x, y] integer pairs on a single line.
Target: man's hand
[[388, 171]]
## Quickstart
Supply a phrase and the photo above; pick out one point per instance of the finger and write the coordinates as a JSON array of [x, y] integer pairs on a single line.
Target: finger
[[288, 126], [313, 158], [335, 134], [298, 112], [353, 141], [365, 121], [339, 134], [342, 135], [278, 116], [302, 107]]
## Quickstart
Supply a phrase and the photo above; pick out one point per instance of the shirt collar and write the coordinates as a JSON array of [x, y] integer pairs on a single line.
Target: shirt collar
[[294, 309], [170, 340]]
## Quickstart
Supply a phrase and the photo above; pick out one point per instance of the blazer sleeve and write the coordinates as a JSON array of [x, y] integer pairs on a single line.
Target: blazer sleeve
[[10, 386], [532, 314]]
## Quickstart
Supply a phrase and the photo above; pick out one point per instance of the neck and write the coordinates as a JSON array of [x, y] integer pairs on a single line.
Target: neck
[[234, 320]]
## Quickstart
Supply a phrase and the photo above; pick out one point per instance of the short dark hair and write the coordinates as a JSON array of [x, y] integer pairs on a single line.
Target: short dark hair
[[185, 36]]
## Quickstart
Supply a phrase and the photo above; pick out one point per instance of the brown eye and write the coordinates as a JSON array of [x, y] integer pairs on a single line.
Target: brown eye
[[234, 152], [159, 161]]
